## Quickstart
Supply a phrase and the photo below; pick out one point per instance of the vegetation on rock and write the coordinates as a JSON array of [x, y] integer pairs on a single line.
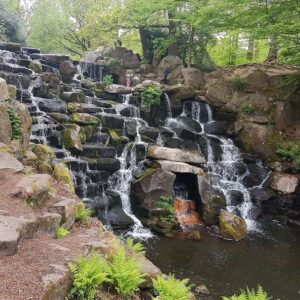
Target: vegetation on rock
[[151, 96], [290, 153], [247, 108], [15, 123], [82, 213], [107, 80]]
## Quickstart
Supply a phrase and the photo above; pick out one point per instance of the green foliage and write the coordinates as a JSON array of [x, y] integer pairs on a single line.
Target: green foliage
[[250, 295], [107, 80], [15, 123], [171, 288], [166, 202], [239, 84], [290, 153], [125, 273], [61, 232], [113, 64], [82, 214], [247, 109], [88, 274], [137, 248], [151, 96]]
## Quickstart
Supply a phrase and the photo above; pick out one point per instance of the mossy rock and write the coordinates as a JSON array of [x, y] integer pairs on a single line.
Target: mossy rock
[[43, 152], [5, 148], [72, 140], [62, 173], [44, 168], [59, 117], [84, 119], [89, 132]]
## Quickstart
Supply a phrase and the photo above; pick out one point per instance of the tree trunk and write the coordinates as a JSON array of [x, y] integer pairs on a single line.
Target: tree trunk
[[191, 44], [273, 50], [172, 35], [144, 40], [250, 50]]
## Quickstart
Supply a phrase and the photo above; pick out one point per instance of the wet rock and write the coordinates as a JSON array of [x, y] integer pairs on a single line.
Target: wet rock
[[36, 66], [84, 108], [117, 89], [217, 128], [56, 58], [84, 119], [177, 167], [67, 71], [3, 90], [10, 68], [150, 132], [59, 117], [52, 105], [11, 47], [110, 165], [74, 96], [71, 139], [232, 227], [190, 123], [118, 218], [98, 150], [112, 121], [187, 156], [62, 173], [284, 183], [193, 77]]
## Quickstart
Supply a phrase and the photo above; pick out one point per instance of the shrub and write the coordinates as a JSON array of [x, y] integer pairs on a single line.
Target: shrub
[[247, 109], [61, 232], [88, 274], [82, 213], [137, 248], [15, 123], [166, 202], [125, 273], [239, 84], [290, 153], [113, 64], [151, 96], [107, 80], [172, 288], [250, 295]]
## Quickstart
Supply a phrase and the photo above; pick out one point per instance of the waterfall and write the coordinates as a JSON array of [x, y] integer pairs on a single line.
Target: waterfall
[[90, 70]]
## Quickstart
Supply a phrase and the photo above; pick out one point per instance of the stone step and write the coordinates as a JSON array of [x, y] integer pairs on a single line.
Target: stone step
[[98, 151], [110, 165], [100, 137], [15, 69]]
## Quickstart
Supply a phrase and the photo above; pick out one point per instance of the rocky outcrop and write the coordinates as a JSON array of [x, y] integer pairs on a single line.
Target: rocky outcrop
[[173, 66], [284, 183], [193, 77]]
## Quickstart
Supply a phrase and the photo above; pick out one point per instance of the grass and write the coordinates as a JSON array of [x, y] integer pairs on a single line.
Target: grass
[[290, 153]]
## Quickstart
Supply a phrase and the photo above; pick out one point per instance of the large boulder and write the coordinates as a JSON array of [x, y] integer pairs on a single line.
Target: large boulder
[[178, 155], [173, 65], [67, 71], [9, 164], [84, 119], [231, 226], [284, 183], [193, 77], [44, 153], [71, 138], [3, 90], [177, 167], [130, 61]]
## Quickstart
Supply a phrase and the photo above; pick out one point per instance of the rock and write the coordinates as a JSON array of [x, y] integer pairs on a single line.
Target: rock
[[117, 89], [84, 119], [5, 148], [36, 66], [174, 66], [232, 226], [119, 52], [193, 77], [72, 139], [178, 155], [212, 201], [12, 231], [67, 209], [149, 270], [9, 164], [110, 165], [62, 173], [49, 223], [130, 61], [43, 152], [177, 167], [52, 105], [11, 47], [284, 183], [112, 121], [3, 90], [59, 117], [67, 71], [202, 289], [118, 218], [5, 126], [56, 58], [76, 96], [34, 188]]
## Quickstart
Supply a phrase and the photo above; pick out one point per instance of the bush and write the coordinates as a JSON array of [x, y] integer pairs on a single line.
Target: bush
[[137, 248], [107, 80], [82, 213], [151, 96], [125, 273], [250, 295], [290, 153], [247, 109], [15, 123], [113, 64], [239, 84], [166, 202], [88, 274], [61, 232], [172, 288]]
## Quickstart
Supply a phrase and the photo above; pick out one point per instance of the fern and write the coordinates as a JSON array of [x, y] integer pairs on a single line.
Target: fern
[[166, 202], [151, 96], [82, 213], [125, 273], [88, 274], [137, 248], [172, 288], [61, 232], [250, 295]]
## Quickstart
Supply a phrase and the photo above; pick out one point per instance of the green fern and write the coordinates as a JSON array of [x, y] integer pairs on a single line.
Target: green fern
[[88, 274], [82, 213], [151, 96], [125, 273], [172, 288], [250, 295], [137, 248], [61, 232]]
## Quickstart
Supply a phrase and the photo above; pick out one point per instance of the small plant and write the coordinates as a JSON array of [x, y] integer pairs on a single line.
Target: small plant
[[125, 273], [88, 274], [166, 202], [61, 232], [137, 248], [108, 80], [171, 288], [247, 109], [15, 123], [151, 96], [290, 153], [250, 295], [239, 84], [82, 213], [113, 64]]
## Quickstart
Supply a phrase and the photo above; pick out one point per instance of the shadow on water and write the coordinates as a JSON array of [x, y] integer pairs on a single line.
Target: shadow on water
[[271, 259]]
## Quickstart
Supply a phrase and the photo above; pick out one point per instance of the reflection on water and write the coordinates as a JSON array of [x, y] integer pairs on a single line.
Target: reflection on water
[[271, 260]]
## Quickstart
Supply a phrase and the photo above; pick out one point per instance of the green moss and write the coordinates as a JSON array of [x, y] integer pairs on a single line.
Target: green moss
[[43, 152], [62, 173], [72, 107], [84, 119], [89, 131], [114, 135], [147, 172]]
